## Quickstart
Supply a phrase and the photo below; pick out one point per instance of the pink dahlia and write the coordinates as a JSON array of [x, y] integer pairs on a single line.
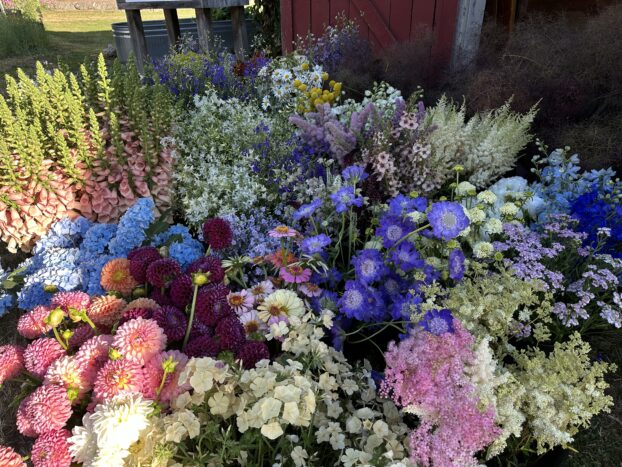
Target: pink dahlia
[[69, 373], [23, 422], [181, 291], [142, 303], [48, 409], [31, 325], [105, 311], [295, 274], [282, 231], [172, 321], [240, 302], [202, 346], [139, 340], [117, 377], [154, 372], [65, 300], [230, 333], [140, 259], [207, 264], [217, 233], [52, 450], [40, 354], [11, 362], [93, 354], [9, 458], [161, 273], [116, 277], [252, 352], [134, 313], [80, 335]]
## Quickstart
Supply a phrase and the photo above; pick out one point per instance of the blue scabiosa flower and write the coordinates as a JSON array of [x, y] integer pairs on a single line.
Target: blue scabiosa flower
[[316, 244], [353, 302], [456, 264], [447, 219], [344, 198], [438, 322], [369, 266], [392, 229], [402, 205], [406, 257], [354, 174], [392, 286], [404, 306], [306, 210]]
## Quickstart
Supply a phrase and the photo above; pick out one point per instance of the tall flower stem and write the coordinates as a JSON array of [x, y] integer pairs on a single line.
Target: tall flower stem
[[191, 318]]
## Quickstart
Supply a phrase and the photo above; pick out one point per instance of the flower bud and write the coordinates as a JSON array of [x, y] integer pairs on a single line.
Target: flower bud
[[200, 278], [67, 334], [50, 288], [55, 317], [139, 292], [114, 354]]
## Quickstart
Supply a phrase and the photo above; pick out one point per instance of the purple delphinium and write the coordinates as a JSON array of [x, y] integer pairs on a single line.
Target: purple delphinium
[[456, 264], [315, 244], [406, 257], [447, 219], [392, 229], [306, 210], [344, 198], [369, 266], [438, 322]]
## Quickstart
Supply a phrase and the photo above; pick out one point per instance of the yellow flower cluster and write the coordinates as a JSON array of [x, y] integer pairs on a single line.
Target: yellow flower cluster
[[314, 96]]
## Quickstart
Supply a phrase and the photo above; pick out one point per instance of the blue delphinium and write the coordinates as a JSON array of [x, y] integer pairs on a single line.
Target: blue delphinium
[[345, 198], [315, 244], [601, 219], [392, 229], [456, 264], [438, 322], [132, 226], [369, 266], [447, 219]]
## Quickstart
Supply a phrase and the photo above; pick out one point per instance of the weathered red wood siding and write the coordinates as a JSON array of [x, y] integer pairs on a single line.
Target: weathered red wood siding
[[383, 22]]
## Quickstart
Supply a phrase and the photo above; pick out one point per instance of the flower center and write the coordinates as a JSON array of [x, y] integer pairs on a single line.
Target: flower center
[[283, 229], [236, 300], [394, 232], [277, 310], [449, 220], [251, 327], [354, 298], [438, 326], [118, 276], [368, 267], [295, 270]]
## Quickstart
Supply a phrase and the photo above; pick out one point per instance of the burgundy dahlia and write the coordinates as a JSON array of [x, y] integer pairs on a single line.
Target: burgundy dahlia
[[207, 264], [80, 335], [199, 329], [134, 313], [181, 291], [230, 333], [213, 312], [203, 346], [161, 298], [217, 233], [160, 273], [140, 259], [52, 450], [252, 352], [172, 321]]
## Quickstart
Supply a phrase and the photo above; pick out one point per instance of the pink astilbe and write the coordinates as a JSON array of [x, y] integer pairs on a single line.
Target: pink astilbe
[[426, 375]]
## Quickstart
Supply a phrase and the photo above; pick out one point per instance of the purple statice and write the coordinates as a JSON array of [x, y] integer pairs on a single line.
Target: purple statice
[[456, 264], [345, 198], [316, 244], [392, 229], [406, 257], [447, 219], [306, 210], [402, 205], [354, 174], [369, 266], [438, 322]]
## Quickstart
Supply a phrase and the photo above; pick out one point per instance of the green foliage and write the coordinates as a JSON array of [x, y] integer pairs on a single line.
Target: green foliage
[[267, 13], [21, 35]]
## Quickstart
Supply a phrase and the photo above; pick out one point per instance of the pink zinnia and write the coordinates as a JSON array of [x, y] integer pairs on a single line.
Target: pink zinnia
[[240, 302], [69, 373], [251, 322], [295, 274], [282, 231], [93, 354], [11, 362], [117, 377], [77, 300], [40, 354], [9, 458], [52, 450], [139, 340], [23, 422], [310, 289], [261, 290], [105, 311], [154, 373], [48, 408], [31, 325]]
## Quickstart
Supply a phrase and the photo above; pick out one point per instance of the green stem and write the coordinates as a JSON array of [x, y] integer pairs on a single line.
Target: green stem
[[191, 319], [59, 339]]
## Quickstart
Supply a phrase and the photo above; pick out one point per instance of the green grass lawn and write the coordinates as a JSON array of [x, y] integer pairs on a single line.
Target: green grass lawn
[[75, 36]]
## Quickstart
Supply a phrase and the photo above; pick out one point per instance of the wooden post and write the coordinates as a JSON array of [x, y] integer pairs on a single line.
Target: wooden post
[[468, 31], [172, 26], [204, 27], [139, 43], [240, 36]]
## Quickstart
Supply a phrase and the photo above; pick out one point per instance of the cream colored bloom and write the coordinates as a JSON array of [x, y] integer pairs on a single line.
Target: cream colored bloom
[[270, 408], [291, 413], [493, 226], [287, 393], [483, 250], [282, 303], [509, 209], [465, 189], [487, 197], [272, 430], [218, 403]]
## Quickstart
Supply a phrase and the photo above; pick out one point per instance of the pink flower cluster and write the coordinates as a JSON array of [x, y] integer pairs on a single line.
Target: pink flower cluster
[[426, 374]]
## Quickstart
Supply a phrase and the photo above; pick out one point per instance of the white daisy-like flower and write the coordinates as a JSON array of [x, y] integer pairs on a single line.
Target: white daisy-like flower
[[281, 304]]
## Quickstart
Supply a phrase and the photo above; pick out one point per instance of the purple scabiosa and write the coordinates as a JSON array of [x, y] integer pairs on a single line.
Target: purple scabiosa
[[406, 257], [456, 264], [207, 264], [404, 306], [354, 174], [172, 321], [316, 244], [251, 353], [345, 198], [217, 233], [447, 219], [392, 285], [161, 273], [369, 266], [438, 322], [392, 229], [402, 205], [306, 210]]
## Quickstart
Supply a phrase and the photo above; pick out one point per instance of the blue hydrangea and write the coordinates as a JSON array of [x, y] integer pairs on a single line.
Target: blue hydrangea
[[369, 266], [186, 252], [132, 226], [447, 219], [345, 198], [96, 238], [177, 232], [315, 244]]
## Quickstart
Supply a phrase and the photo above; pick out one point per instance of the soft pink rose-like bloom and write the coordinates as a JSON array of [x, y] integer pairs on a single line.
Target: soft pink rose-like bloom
[[52, 450], [282, 231], [77, 300], [295, 274], [70, 374], [48, 408], [106, 310], [426, 373], [93, 355], [154, 373], [240, 302], [139, 340], [23, 422], [11, 362], [40, 354], [142, 303], [9, 458], [31, 325], [117, 377], [310, 289]]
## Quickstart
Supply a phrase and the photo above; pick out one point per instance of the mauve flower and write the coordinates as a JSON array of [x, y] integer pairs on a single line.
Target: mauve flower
[[48, 408], [11, 362], [9, 458], [40, 354], [139, 340], [295, 274], [282, 231]]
